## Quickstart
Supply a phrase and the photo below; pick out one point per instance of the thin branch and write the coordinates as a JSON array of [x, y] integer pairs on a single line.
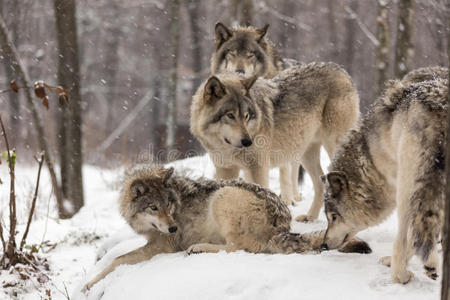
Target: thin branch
[[12, 197], [266, 8], [33, 203], [362, 26], [1, 237]]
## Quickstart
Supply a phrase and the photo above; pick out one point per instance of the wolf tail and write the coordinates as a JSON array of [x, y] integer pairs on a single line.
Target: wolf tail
[[287, 242], [427, 202]]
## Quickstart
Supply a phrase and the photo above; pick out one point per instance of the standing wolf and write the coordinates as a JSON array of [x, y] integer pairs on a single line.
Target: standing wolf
[[255, 124], [176, 213], [394, 158], [246, 50]]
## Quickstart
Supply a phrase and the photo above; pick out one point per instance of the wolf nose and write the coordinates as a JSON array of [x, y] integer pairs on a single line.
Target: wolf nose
[[173, 229], [324, 247], [246, 142], [240, 71]]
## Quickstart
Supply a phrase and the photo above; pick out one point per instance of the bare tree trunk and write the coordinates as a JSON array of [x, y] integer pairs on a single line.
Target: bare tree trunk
[[69, 77], [404, 50], [172, 99], [334, 52], [246, 13], [14, 104], [350, 40], [234, 11], [8, 50], [112, 38], [194, 17], [382, 53], [445, 292]]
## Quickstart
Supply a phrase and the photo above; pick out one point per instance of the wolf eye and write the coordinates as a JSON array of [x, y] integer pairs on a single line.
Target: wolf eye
[[153, 207], [230, 115], [250, 55], [250, 116]]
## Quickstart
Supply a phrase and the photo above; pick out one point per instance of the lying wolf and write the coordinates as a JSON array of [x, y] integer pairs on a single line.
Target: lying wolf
[[394, 158], [256, 124], [176, 213]]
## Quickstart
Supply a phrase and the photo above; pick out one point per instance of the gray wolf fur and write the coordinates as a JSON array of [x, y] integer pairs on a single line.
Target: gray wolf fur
[[176, 213], [256, 124], [248, 51], [394, 158], [425, 74]]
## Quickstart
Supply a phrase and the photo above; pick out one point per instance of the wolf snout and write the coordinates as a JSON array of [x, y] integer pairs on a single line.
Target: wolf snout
[[324, 247], [240, 71], [173, 229], [246, 142]]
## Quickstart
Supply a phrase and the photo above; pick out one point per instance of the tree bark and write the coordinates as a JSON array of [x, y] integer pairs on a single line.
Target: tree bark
[[246, 13], [8, 50], [404, 50], [334, 50], [112, 42], [69, 77], [13, 101], [194, 17], [350, 38], [172, 97], [382, 53], [445, 292]]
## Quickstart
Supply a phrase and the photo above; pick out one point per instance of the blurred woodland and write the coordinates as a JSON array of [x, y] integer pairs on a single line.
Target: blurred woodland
[[131, 67]]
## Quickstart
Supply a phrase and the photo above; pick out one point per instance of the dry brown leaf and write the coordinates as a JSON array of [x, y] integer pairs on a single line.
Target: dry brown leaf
[[13, 85], [39, 89], [45, 102]]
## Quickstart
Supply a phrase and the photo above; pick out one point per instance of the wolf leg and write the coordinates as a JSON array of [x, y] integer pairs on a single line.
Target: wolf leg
[[286, 184], [432, 263], [258, 175], [136, 256], [206, 248], [294, 179], [227, 173], [311, 162]]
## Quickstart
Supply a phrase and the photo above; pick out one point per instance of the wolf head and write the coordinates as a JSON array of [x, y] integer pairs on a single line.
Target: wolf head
[[342, 222], [244, 50], [147, 201], [224, 114]]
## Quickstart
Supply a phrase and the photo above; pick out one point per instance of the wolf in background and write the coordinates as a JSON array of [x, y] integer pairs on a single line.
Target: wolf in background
[[255, 124], [394, 158], [175, 213]]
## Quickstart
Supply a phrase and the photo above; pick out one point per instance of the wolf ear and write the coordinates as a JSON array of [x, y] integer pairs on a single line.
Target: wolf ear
[[167, 174], [223, 34], [336, 182], [138, 188], [214, 90], [261, 33], [248, 82]]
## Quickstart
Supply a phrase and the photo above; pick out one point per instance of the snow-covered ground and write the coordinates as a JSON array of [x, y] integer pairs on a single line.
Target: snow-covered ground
[[99, 230]]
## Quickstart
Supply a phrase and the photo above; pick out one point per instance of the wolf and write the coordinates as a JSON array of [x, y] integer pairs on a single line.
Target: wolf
[[248, 51], [255, 124], [176, 213], [425, 74], [393, 158]]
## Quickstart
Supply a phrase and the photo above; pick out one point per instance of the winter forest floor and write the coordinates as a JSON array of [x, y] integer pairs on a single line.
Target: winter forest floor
[[99, 230]]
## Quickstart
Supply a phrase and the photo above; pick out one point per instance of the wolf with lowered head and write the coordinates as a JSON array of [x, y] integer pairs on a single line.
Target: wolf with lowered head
[[255, 124], [175, 213], [394, 158]]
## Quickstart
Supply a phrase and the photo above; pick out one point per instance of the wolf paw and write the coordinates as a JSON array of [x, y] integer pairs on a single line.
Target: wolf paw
[[195, 249], [356, 246], [305, 218], [385, 260], [298, 198], [431, 272], [402, 277]]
